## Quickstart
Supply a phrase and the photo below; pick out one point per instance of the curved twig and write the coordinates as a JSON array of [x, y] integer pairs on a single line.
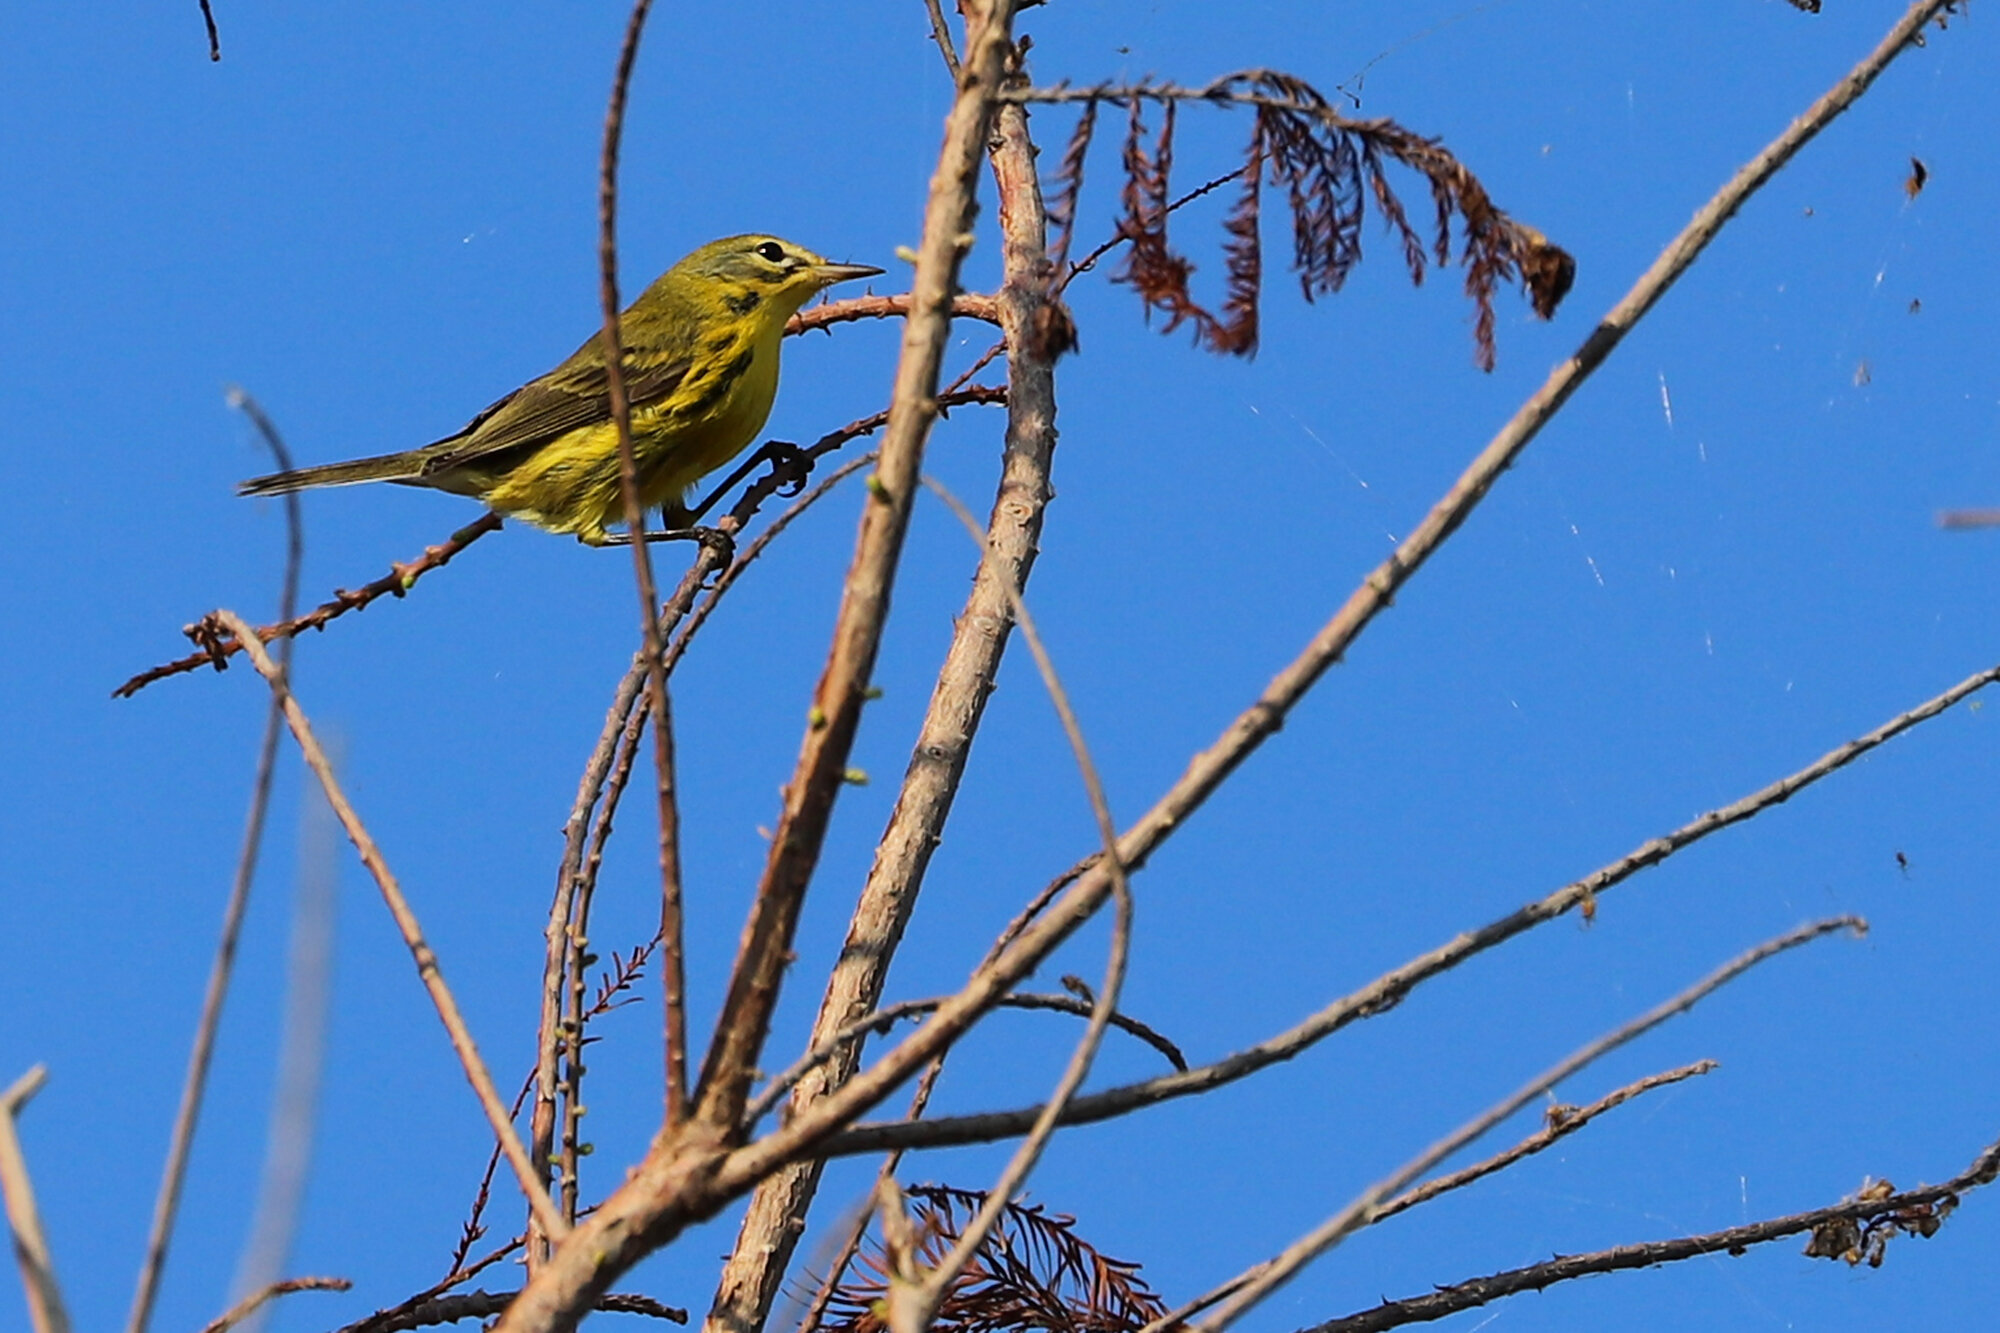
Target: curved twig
[[885, 1018], [256, 1300], [194, 1086], [406, 922]]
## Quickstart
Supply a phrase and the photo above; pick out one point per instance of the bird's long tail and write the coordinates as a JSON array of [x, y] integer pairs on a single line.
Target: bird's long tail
[[386, 467]]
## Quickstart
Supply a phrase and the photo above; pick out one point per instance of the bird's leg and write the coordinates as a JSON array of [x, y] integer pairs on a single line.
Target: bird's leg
[[679, 529], [790, 465]]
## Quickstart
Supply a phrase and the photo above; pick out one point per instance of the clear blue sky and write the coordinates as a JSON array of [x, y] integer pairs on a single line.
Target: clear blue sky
[[1720, 562]]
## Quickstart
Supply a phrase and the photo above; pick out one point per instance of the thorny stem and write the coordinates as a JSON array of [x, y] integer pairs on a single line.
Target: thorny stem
[[216, 650]]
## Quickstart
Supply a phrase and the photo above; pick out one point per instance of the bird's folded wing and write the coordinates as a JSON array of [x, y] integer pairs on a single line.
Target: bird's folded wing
[[549, 408]]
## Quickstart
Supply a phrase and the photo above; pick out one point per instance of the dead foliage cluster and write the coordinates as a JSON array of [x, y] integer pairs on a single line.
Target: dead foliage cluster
[[1330, 169], [1032, 1272]]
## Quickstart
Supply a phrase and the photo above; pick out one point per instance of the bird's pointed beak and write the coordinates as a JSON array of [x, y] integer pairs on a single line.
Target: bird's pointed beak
[[831, 273]]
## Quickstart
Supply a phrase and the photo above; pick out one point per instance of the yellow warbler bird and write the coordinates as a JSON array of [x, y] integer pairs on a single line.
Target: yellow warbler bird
[[701, 369]]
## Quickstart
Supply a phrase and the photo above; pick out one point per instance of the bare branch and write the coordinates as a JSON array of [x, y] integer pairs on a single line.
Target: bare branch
[[775, 1217], [1274, 1273], [46, 1312], [406, 922], [1387, 991], [940, 1278], [486, 1304], [885, 1018], [1562, 1121], [1211, 767], [215, 649], [964, 305], [941, 34], [214, 37], [673, 964], [255, 1301], [1912, 1212]]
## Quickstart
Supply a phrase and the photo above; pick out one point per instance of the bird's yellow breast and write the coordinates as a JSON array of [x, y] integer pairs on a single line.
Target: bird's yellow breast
[[572, 484]]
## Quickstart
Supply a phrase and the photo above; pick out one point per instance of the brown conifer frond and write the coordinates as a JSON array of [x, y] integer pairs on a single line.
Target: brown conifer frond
[[1236, 334], [1068, 183], [1332, 168], [1151, 267], [1032, 1272]]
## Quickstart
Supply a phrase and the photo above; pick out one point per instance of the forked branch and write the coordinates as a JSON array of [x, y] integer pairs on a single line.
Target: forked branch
[[1871, 1217]]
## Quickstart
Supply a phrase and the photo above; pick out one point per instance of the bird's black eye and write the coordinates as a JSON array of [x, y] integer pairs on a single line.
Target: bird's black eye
[[772, 251]]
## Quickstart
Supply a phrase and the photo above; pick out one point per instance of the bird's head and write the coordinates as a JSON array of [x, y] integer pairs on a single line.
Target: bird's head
[[765, 275]]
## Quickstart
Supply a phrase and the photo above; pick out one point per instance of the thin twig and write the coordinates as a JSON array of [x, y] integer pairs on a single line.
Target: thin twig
[[1912, 1211], [1208, 769], [939, 1278], [611, 759], [941, 34], [194, 1084], [885, 1018], [1105, 247], [254, 1302], [215, 650], [485, 1304], [214, 37], [406, 922], [470, 1232], [1388, 990], [962, 305], [46, 1312], [1561, 1123], [1280, 1269], [673, 967], [1962, 519]]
